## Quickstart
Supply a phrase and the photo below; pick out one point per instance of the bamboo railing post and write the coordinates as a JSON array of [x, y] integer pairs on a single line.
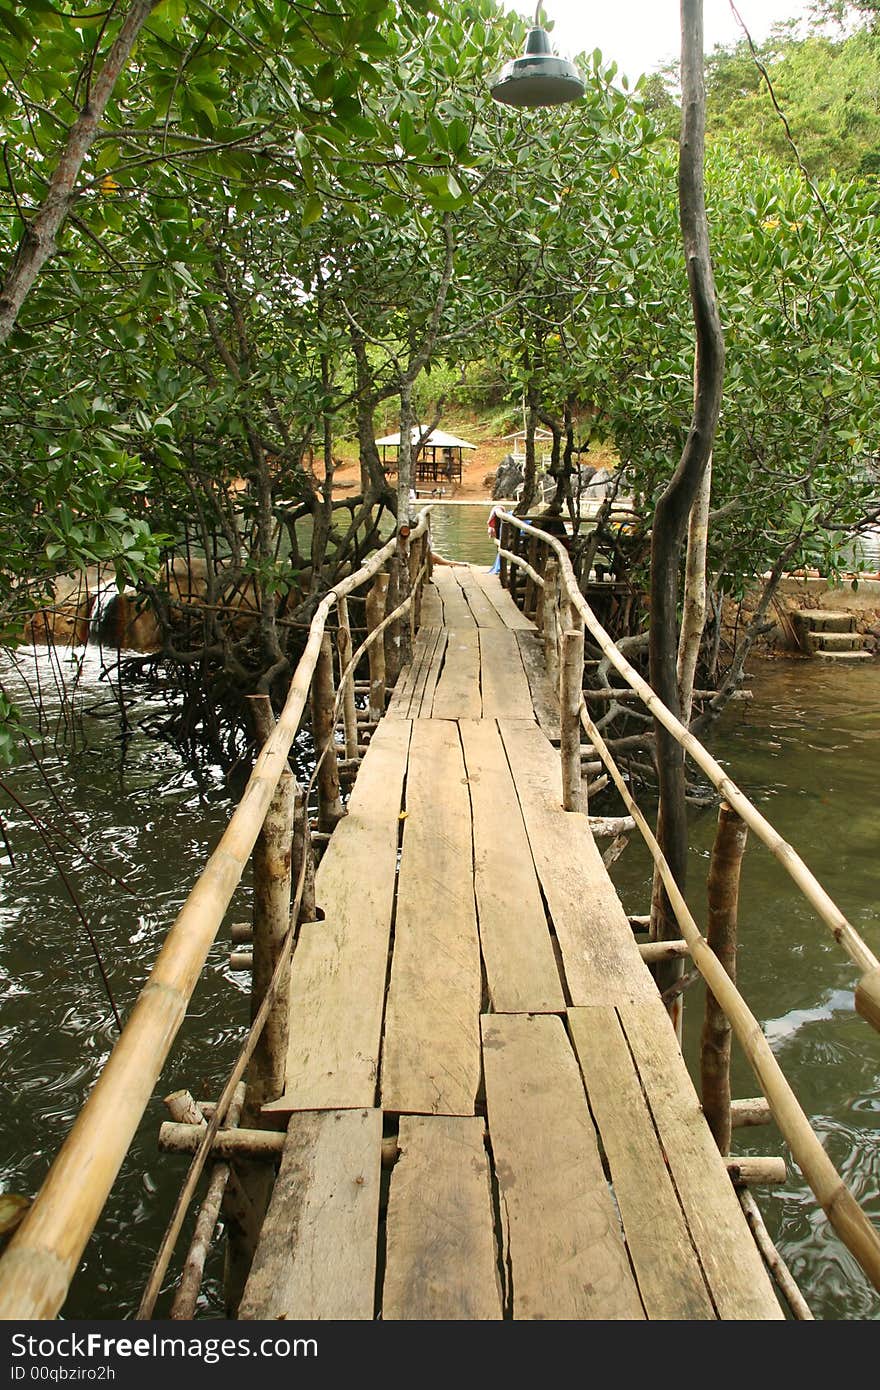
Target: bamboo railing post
[[721, 934], [330, 807], [349, 710], [377, 602], [571, 693], [402, 626], [272, 890], [415, 588]]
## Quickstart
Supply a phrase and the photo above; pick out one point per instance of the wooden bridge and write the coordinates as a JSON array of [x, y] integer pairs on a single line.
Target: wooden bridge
[[460, 1061]]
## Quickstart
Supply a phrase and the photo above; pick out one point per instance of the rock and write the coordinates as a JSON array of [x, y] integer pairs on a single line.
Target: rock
[[489, 480], [508, 476]]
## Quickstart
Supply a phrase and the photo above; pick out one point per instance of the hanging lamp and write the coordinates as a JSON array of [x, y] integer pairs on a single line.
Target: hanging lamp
[[539, 77]]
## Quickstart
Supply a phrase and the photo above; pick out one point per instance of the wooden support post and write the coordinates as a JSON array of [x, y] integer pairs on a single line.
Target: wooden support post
[[256, 1145], [392, 632], [503, 541], [377, 600], [530, 600], [415, 588], [548, 627], [653, 951], [572, 680], [721, 932], [271, 861], [302, 849], [868, 998], [349, 710], [757, 1172], [330, 807], [403, 625]]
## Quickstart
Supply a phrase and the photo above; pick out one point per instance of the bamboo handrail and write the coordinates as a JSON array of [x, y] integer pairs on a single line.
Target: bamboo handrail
[[841, 929], [37, 1267]]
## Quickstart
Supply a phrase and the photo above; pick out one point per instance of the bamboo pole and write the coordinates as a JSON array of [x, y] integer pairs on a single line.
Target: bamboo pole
[[832, 1194], [757, 1172], [721, 934], [504, 552], [754, 1111], [37, 1267], [551, 599], [653, 951], [572, 676], [377, 599], [868, 997], [349, 709], [184, 1305], [842, 931], [256, 1145], [303, 858], [530, 597], [773, 1260], [393, 659], [330, 807]]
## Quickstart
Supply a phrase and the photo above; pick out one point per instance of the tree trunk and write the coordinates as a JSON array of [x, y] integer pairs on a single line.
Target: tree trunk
[[674, 506], [694, 615], [38, 242]]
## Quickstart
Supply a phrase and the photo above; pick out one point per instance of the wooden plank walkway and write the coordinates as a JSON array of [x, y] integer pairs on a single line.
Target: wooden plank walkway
[[474, 1013]]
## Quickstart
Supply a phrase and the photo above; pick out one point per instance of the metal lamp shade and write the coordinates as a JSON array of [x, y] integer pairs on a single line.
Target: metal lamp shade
[[538, 78]]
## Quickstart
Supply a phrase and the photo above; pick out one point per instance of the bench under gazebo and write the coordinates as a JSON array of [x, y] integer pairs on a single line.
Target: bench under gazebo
[[438, 459]]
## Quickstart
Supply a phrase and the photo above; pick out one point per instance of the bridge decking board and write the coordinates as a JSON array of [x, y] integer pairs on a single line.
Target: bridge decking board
[[432, 606], [488, 959], [740, 1285], [423, 694], [501, 601], [545, 696], [441, 1258], [457, 616], [564, 1245], [667, 1268], [457, 694], [340, 966], [484, 612], [317, 1254], [521, 971], [601, 959], [503, 684], [398, 706], [431, 1048]]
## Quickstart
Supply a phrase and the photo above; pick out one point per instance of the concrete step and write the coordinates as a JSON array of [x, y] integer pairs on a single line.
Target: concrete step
[[845, 656], [836, 641], [824, 620]]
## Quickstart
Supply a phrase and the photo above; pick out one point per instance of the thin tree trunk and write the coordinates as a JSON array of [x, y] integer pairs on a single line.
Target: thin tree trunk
[[694, 614], [674, 506], [38, 242]]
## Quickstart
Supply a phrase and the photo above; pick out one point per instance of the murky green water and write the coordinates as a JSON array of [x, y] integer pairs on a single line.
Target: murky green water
[[807, 750]]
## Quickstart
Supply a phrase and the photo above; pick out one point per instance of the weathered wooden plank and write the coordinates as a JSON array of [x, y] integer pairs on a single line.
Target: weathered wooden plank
[[503, 684], [484, 612], [317, 1253], [735, 1272], [456, 614], [457, 694], [521, 969], [565, 1250], [423, 694], [431, 1051], [441, 1261], [432, 606], [502, 601], [668, 1272], [600, 956], [337, 986], [423, 647], [545, 696]]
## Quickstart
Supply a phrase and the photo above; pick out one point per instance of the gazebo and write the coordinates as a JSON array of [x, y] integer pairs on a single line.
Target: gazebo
[[439, 455]]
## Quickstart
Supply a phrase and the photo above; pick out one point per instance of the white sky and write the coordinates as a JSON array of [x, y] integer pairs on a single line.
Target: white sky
[[641, 34]]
